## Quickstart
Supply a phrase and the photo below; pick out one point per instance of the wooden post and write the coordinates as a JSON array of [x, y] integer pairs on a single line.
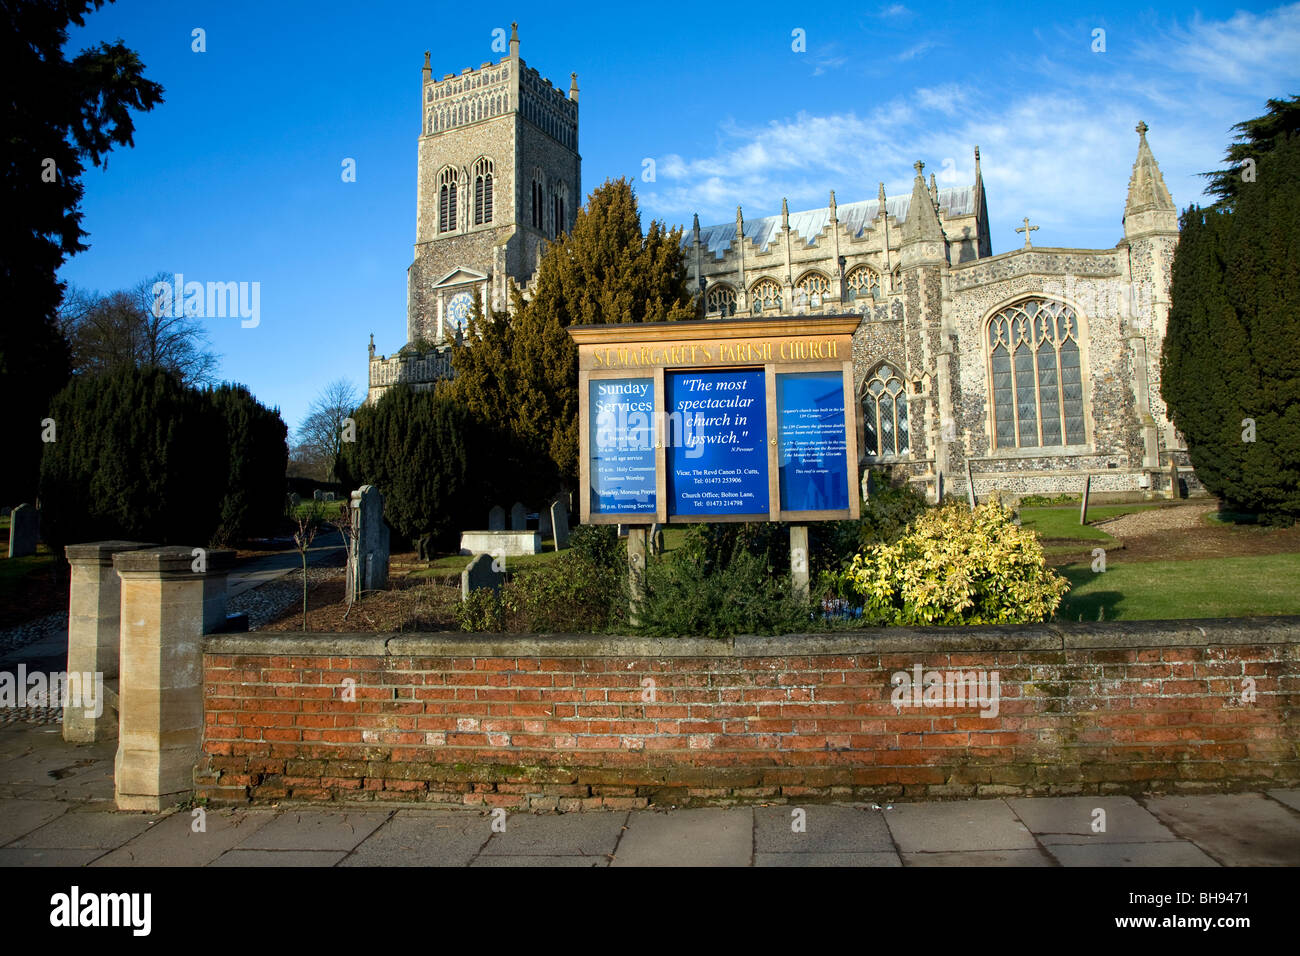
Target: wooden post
[[970, 486], [799, 560], [1083, 508], [1173, 477], [636, 551]]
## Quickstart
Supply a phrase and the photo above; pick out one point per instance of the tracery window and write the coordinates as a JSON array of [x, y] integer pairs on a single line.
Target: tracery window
[[862, 283], [482, 192], [766, 296], [447, 200], [812, 289], [884, 414], [1037, 375], [721, 299]]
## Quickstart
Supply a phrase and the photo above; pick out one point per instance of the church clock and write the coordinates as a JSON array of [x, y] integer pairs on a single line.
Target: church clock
[[458, 310]]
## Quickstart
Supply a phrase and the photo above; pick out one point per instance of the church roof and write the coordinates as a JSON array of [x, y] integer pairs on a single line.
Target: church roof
[[856, 217]]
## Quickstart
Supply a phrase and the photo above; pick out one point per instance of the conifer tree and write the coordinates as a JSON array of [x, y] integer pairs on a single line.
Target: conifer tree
[[1230, 366], [524, 370]]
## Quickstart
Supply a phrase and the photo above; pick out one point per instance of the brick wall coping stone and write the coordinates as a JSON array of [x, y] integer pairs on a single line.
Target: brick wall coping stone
[[1045, 637]]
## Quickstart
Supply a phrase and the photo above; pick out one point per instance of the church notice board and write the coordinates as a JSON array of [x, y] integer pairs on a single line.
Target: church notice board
[[718, 420]]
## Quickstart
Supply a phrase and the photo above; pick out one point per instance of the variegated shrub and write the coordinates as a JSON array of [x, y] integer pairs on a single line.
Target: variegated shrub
[[958, 566]]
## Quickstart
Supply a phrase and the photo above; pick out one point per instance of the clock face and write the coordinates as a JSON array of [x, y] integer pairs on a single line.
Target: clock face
[[458, 310]]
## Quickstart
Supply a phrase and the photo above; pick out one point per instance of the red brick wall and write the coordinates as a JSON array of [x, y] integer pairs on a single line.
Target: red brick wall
[[747, 722]]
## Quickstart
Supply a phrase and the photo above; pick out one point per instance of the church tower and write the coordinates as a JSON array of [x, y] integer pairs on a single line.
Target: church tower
[[498, 174]]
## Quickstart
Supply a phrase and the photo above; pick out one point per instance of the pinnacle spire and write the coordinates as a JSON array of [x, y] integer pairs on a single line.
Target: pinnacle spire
[[514, 40], [1149, 207], [922, 220]]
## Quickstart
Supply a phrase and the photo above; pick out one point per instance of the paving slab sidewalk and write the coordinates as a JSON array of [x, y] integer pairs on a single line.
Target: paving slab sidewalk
[[56, 808]]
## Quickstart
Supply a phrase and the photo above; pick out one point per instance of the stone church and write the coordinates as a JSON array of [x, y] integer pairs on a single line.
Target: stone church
[[1023, 371]]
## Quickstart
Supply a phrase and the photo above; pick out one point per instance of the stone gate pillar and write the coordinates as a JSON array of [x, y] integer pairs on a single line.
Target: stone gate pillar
[[94, 636], [171, 597]]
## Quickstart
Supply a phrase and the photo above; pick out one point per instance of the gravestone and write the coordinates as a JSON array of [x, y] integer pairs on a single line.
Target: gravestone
[[318, 495], [867, 485], [24, 525], [329, 496], [518, 517], [560, 523], [295, 500], [497, 519], [479, 573], [544, 526], [369, 544]]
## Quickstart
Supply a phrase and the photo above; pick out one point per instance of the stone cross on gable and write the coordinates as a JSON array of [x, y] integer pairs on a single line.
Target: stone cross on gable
[[1027, 229]]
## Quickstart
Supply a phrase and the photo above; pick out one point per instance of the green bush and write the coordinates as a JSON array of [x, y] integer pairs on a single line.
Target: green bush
[[483, 612], [572, 594], [599, 545], [958, 566], [746, 595], [139, 456]]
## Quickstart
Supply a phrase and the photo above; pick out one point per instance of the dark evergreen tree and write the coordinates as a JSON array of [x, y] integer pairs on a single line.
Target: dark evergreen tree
[[1230, 365], [429, 458], [524, 370], [1255, 138], [129, 461], [59, 114], [139, 456], [257, 455]]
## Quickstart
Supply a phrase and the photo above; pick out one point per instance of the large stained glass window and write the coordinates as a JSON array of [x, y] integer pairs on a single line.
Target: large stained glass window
[[1037, 386]]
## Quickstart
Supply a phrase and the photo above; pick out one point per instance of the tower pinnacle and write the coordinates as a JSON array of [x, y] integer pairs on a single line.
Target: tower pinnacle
[[1149, 207]]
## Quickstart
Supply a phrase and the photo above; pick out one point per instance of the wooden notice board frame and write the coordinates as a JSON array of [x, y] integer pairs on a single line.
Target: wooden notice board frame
[[777, 346]]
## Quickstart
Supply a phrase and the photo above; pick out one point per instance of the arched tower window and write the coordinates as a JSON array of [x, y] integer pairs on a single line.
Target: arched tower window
[[483, 192], [884, 414], [1037, 375], [538, 208], [447, 200], [812, 289], [766, 296], [720, 300], [862, 282], [559, 198]]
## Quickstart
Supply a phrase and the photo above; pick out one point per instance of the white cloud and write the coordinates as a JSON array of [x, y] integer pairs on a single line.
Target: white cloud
[[1246, 49], [894, 11], [1060, 150], [913, 52]]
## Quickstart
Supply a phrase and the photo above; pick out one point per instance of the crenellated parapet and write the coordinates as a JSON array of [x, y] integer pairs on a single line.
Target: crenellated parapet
[[420, 370]]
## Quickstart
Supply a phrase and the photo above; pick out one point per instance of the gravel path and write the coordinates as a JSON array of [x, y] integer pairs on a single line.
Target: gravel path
[[52, 625], [1157, 520], [266, 603]]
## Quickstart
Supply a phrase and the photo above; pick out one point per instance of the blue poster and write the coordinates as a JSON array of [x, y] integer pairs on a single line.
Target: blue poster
[[622, 466], [814, 447], [717, 443]]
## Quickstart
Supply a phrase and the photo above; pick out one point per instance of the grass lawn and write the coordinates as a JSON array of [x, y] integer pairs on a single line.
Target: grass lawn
[[1063, 523], [1166, 590], [455, 563]]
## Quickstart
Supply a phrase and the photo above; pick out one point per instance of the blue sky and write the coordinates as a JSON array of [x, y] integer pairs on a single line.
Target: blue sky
[[236, 176]]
